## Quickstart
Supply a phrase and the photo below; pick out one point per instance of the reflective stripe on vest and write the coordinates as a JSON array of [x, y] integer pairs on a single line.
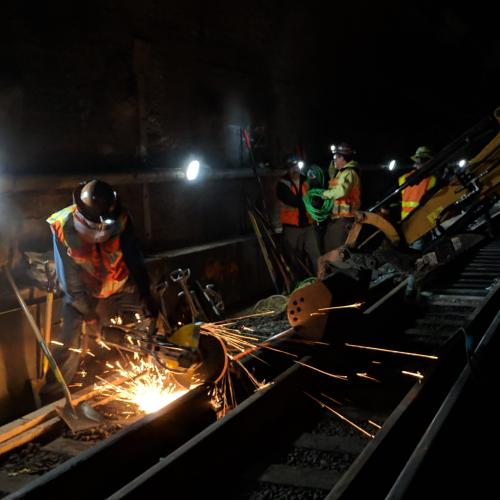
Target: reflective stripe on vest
[[411, 196], [102, 267], [349, 204], [290, 215]]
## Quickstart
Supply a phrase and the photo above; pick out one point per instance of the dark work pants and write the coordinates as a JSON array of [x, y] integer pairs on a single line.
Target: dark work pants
[[299, 242]]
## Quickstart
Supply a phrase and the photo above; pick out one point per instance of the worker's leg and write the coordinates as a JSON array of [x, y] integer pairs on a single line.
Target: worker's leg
[[290, 245], [66, 360], [311, 246]]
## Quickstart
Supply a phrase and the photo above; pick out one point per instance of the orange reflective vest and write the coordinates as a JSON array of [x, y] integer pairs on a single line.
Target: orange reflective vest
[[351, 202], [290, 215], [412, 195], [103, 269]]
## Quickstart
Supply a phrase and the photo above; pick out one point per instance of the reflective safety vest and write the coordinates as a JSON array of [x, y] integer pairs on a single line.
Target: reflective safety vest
[[102, 267], [412, 195], [290, 215], [351, 202]]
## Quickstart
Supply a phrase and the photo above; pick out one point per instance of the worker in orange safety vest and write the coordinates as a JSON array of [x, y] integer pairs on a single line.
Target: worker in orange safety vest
[[97, 259], [411, 195], [299, 236]]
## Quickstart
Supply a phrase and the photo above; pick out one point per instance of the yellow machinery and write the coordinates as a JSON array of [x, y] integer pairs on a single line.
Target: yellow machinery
[[463, 193]]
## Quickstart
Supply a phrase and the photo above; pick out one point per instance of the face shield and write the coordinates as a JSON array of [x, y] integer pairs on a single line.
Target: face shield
[[94, 232]]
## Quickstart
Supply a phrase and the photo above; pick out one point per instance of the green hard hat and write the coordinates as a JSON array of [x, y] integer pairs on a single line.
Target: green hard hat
[[422, 153]]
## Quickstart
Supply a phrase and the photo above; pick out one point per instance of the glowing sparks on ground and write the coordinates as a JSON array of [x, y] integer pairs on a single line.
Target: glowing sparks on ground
[[102, 344], [340, 377], [345, 419], [413, 374], [374, 424], [428, 356], [145, 386], [365, 375], [331, 399], [357, 305]]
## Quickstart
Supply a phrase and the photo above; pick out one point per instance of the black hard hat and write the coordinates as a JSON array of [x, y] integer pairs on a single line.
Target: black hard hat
[[344, 149], [97, 201]]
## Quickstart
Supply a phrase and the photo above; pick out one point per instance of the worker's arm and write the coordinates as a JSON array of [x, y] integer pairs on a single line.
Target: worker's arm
[[68, 276], [285, 195], [343, 185], [129, 243]]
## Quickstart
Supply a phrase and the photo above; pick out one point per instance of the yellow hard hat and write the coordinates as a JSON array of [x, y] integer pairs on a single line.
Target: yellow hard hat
[[423, 153]]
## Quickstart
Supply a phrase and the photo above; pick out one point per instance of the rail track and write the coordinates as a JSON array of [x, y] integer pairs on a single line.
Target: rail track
[[307, 434]]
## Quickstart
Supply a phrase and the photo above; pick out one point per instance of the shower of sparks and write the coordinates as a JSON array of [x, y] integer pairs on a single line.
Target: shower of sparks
[[55, 342], [428, 356], [365, 375], [146, 386], [374, 424], [237, 343], [308, 342], [357, 305], [340, 377], [376, 362], [234, 320], [255, 382], [102, 344], [345, 419], [74, 349], [413, 374], [117, 320], [331, 399]]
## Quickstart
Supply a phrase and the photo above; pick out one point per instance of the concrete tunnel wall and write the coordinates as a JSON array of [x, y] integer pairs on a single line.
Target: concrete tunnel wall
[[203, 226]]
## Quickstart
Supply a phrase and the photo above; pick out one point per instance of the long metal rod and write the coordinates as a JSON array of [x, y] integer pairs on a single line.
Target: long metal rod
[[41, 342]]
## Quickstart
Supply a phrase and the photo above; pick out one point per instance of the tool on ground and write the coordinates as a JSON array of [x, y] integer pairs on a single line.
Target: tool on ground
[[39, 261], [180, 276], [77, 417], [283, 266], [264, 251], [213, 300]]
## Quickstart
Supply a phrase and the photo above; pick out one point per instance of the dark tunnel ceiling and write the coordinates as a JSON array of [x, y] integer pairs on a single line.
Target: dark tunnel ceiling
[[384, 75]]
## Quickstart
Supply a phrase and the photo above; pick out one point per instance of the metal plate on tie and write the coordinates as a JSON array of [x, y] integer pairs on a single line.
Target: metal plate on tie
[[303, 310]]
